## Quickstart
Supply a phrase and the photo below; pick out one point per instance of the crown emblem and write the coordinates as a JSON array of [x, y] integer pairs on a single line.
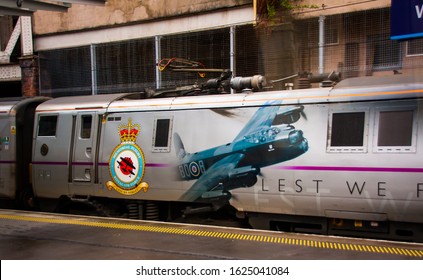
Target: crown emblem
[[129, 132]]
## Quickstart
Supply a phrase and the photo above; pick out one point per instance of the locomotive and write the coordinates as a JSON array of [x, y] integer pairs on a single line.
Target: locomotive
[[340, 160]]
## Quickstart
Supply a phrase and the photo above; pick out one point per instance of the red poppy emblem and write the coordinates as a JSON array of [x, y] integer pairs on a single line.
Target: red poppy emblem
[[126, 166]]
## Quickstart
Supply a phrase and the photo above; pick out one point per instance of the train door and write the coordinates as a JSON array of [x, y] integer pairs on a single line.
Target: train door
[[50, 161], [83, 165]]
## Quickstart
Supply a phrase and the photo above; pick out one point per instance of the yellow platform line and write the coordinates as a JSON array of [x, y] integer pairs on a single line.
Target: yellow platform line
[[224, 235]]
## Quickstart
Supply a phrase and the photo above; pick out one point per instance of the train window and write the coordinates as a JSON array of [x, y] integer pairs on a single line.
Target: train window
[[86, 121], [47, 126], [347, 131], [395, 131], [161, 135]]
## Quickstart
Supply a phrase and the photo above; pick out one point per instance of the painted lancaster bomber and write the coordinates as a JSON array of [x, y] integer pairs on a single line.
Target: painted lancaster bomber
[[268, 138]]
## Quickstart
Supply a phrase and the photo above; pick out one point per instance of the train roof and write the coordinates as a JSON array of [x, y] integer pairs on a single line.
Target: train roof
[[353, 89], [371, 81], [378, 88], [84, 102], [13, 103], [7, 104]]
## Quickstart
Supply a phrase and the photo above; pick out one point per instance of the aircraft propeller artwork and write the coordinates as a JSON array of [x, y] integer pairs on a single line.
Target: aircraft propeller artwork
[[268, 138]]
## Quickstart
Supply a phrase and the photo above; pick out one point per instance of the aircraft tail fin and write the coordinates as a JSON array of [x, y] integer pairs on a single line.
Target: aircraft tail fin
[[179, 146]]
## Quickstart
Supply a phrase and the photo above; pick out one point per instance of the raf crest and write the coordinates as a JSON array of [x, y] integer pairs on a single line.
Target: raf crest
[[126, 164]]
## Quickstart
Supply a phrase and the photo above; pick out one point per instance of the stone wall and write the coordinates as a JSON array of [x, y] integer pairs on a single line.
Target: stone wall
[[333, 7], [121, 12]]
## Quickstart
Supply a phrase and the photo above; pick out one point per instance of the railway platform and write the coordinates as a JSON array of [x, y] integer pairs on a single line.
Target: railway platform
[[45, 236]]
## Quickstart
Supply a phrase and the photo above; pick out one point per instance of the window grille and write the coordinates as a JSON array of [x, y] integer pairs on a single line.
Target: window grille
[[210, 48], [415, 47], [364, 46], [65, 72], [126, 66]]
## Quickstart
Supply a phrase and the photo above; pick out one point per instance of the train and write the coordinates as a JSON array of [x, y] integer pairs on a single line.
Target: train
[[341, 160]]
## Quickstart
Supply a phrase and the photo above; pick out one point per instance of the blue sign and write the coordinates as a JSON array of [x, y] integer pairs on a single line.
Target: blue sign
[[406, 19]]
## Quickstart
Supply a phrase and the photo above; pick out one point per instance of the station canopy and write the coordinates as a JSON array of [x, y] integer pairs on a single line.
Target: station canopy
[[27, 7]]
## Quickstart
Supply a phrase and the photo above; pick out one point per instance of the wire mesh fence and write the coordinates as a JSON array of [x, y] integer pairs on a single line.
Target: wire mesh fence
[[354, 44]]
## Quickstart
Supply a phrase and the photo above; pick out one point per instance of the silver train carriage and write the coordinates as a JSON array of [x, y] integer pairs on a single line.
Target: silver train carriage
[[16, 130], [340, 160]]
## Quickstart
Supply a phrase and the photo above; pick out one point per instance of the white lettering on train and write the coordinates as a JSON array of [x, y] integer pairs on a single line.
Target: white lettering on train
[[354, 188], [192, 170]]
